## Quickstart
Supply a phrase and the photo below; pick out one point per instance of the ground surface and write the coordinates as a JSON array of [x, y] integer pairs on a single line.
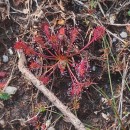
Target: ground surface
[[104, 105]]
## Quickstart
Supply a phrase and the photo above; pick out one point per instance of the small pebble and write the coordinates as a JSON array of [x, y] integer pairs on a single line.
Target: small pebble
[[51, 128], [112, 18], [5, 58], [25, 11], [96, 112], [105, 116], [2, 123], [104, 100], [114, 40], [123, 34], [48, 122], [10, 51], [94, 68], [10, 90]]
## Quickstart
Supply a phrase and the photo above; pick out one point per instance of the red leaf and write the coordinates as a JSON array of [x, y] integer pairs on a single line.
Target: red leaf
[[76, 89], [45, 28], [44, 79], [20, 45], [43, 127], [61, 33], [98, 33], [34, 65], [88, 83], [53, 39], [73, 34], [39, 40], [82, 68], [2, 84], [62, 62], [2, 74], [30, 51]]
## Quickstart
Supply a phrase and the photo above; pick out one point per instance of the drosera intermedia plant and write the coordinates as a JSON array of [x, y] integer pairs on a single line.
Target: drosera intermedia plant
[[60, 52]]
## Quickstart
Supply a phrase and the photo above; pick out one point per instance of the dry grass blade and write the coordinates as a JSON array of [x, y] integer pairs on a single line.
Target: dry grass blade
[[122, 89]]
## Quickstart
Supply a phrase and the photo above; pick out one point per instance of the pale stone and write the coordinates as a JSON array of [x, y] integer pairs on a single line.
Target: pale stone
[[10, 90], [5, 58], [123, 34]]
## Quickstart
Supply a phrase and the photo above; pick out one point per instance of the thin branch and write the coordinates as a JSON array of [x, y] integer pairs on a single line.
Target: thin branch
[[81, 3]]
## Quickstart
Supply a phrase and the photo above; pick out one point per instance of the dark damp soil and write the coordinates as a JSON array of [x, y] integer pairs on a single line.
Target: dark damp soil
[[94, 107]]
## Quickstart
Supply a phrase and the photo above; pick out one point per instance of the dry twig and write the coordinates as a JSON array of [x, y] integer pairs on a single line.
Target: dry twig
[[52, 98]]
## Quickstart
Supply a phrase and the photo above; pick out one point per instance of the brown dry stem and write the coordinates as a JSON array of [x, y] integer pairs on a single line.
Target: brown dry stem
[[51, 97]]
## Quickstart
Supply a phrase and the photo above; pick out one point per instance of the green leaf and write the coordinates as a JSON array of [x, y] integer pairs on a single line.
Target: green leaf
[[42, 109], [4, 96], [128, 13], [88, 129]]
